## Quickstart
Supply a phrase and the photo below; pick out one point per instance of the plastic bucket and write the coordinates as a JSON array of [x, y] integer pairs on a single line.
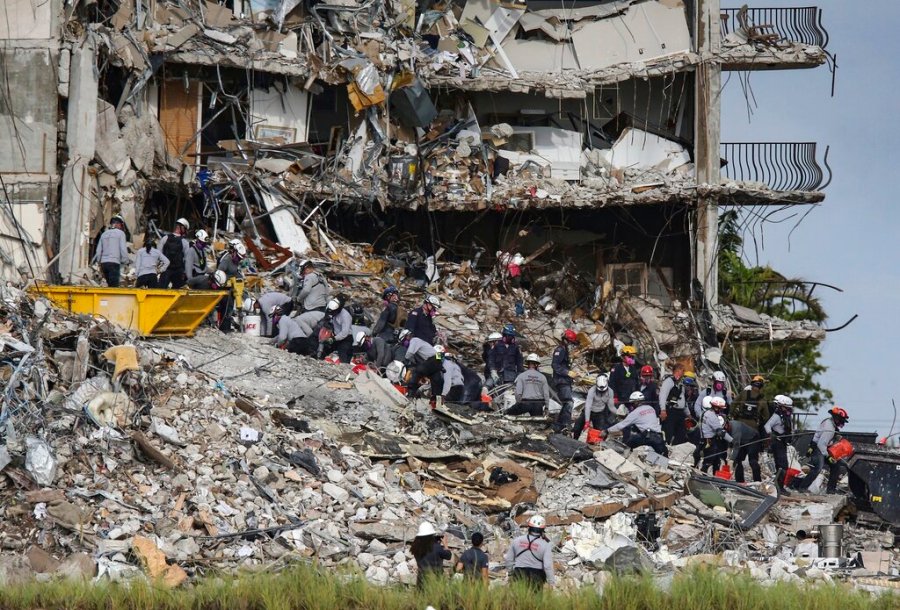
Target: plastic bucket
[[790, 474], [251, 325]]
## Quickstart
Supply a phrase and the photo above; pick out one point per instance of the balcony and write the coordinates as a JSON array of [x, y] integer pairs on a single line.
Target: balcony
[[773, 38], [780, 171]]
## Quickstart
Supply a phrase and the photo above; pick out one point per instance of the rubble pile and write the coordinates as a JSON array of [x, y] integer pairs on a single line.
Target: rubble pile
[[169, 458]]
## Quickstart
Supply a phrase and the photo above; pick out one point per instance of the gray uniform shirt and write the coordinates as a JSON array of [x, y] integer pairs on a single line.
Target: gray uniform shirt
[[269, 300], [774, 425], [342, 324], [229, 267], [710, 424], [112, 248], [643, 418], [824, 435], [452, 376], [288, 329], [194, 262], [314, 292], [597, 402], [530, 552], [698, 404], [665, 389], [146, 263], [418, 350], [532, 385]]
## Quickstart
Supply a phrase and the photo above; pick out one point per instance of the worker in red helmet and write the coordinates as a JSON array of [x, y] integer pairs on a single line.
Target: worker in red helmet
[[825, 437], [647, 386], [562, 379]]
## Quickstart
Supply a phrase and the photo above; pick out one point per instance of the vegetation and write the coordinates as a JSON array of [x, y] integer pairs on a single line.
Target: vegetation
[[791, 368], [308, 588]]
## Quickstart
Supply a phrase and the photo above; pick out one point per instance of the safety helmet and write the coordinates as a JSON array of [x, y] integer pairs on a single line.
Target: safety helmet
[[184, 223], [629, 350], [707, 402], [403, 334], [387, 292], [508, 331], [494, 336], [249, 304], [202, 235], [646, 371], [839, 413], [533, 359], [433, 301], [333, 305], [276, 310], [425, 529], [304, 263], [359, 338], [570, 336], [758, 381], [117, 218], [783, 401], [689, 378], [719, 376], [440, 349], [518, 259], [537, 522], [636, 397], [219, 277], [602, 381], [395, 372], [717, 402]]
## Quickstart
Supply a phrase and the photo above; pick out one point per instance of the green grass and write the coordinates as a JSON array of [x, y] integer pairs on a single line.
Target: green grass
[[308, 588]]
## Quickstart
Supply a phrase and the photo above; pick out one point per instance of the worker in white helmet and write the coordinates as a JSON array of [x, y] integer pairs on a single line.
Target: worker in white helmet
[[529, 558], [175, 246]]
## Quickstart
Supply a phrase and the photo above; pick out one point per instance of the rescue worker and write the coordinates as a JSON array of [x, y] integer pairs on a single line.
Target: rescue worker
[[748, 412], [362, 343], [290, 336], [339, 336], [529, 558], [310, 296], [195, 258], [262, 307], [562, 379], [453, 381], [624, 379], [425, 360], [506, 357], [420, 320], [718, 388], [112, 252], [230, 264], [212, 281], [472, 388], [818, 452], [473, 563], [532, 390], [392, 316], [599, 408], [677, 394], [780, 427], [399, 348], [714, 436], [486, 348], [670, 393], [175, 246], [647, 386], [149, 262], [429, 553], [644, 424]]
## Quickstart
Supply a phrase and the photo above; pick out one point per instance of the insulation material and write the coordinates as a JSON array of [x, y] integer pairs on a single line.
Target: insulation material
[[637, 148], [179, 117], [289, 233], [647, 31], [559, 149], [280, 111]]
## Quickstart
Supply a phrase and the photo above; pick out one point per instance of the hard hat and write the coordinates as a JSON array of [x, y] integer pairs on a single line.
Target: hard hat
[[646, 371], [783, 401], [387, 292], [537, 522], [202, 235], [425, 529], [220, 277], [359, 338], [602, 382], [758, 379], [518, 259], [403, 334], [636, 397], [707, 402], [333, 305], [433, 300], [717, 402], [719, 376], [533, 358], [248, 305], [305, 263], [508, 331], [240, 250], [494, 336], [440, 349], [184, 223], [689, 378], [117, 218], [570, 336], [276, 310], [395, 372], [839, 413], [629, 350]]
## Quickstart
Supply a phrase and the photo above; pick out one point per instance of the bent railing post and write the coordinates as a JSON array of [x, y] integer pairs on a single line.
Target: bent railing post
[[782, 166]]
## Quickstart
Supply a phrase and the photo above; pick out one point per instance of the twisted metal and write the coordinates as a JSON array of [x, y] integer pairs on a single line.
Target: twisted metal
[[782, 166], [801, 24]]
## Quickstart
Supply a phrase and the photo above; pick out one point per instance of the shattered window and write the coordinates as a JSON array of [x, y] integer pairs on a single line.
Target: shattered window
[[630, 278]]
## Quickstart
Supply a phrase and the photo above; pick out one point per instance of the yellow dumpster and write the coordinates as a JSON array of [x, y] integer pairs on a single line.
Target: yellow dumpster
[[148, 311]]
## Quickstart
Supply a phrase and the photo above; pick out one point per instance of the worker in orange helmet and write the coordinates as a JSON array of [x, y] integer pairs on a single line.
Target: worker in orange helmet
[[826, 436]]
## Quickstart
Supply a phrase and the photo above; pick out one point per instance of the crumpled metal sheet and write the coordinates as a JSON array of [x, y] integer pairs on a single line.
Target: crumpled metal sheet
[[39, 461]]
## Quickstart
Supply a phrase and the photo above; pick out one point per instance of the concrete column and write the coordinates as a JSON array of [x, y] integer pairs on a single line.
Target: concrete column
[[707, 138], [81, 129]]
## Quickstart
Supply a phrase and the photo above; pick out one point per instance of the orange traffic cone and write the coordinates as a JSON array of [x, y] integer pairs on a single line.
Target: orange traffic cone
[[724, 472]]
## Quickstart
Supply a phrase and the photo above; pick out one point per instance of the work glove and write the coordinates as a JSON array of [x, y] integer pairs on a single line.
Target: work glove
[[587, 426], [831, 460], [809, 450], [573, 374], [495, 377]]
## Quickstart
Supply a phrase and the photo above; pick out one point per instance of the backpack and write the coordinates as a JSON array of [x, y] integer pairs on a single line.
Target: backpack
[[174, 251]]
